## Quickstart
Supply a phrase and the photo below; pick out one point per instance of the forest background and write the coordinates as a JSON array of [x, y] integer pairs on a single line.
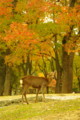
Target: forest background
[[37, 37]]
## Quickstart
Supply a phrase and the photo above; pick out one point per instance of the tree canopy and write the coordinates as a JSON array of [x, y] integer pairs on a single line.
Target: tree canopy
[[40, 35]]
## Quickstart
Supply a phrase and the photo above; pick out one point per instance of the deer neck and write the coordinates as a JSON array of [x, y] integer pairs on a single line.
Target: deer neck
[[49, 79]]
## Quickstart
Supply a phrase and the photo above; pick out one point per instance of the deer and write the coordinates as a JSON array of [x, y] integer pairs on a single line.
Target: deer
[[36, 82]]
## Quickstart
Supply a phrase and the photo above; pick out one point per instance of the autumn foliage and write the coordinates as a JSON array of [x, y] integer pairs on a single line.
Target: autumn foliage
[[20, 37], [5, 7], [39, 36]]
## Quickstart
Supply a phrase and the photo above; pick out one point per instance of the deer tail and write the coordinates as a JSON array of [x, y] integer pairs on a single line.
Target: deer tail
[[21, 83]]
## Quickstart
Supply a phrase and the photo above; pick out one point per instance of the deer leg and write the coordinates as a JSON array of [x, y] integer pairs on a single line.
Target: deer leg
[[22, 98], [42, 89], [37, 92], [25, 88], [26, 98]]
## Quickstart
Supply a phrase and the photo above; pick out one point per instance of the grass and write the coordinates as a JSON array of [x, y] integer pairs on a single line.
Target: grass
[[49, 110]]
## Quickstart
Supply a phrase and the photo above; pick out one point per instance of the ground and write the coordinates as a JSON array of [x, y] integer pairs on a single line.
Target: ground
[[56, 107], [71, 115]]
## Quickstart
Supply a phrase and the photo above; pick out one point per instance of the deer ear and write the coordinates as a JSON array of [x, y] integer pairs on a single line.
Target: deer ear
[[48, 74], [51, 74], [55, 74]]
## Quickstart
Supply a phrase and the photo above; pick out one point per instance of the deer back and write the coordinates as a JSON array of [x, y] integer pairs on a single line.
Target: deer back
[[35, 81]]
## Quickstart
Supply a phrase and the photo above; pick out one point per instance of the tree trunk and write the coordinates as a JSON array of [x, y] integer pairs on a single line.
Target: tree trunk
[[67, 76], [2, 75], [72, 3], [67, 62], [27, 66], [7, 84], [58, 68], [58, 82], [79, 82], [1, 84], [59, 73]]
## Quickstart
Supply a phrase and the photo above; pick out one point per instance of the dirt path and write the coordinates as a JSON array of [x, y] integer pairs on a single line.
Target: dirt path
[[7, 100], [63, 97]]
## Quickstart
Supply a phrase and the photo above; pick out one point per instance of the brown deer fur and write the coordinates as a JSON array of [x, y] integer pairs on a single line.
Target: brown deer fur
[[35, 82]]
